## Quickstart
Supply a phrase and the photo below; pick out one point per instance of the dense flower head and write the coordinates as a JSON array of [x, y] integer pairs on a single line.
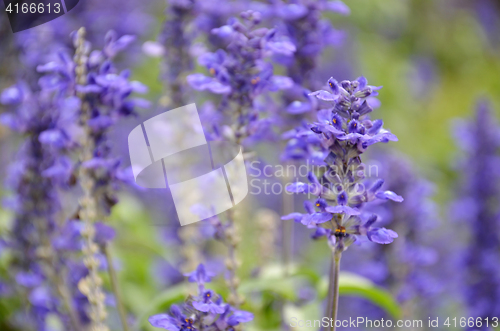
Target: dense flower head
[[346, 122], [240, 73], [342, 133], [108, 93], [205, 311]]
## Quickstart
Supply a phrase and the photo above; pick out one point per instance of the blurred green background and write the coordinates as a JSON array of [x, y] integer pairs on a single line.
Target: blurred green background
[[433, 58]]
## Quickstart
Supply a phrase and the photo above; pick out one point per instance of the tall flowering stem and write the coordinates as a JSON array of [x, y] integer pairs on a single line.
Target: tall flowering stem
[[240, 76], [339, 137], [91, 286], [311, 34], [104, 95]]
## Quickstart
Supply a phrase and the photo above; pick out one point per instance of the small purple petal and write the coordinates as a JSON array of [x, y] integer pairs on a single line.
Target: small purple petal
[[389, 195], [293, 216], [338, 7], [297, 187], [324, 95], [239, 316], [281, 82], [298, 107], [382, 235], [163, 321]]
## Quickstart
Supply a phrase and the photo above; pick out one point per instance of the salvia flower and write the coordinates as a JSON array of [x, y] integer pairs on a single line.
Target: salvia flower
[[239, 72], [341, 134], [205, 311], [345, 132]]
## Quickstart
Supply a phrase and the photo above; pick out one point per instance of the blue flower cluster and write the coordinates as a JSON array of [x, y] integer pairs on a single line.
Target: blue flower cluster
[[341, 134]]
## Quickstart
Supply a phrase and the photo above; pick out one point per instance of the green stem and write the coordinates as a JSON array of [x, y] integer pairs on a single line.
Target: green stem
[[116, 289], [335, 288], [231, 242], [329, 298]]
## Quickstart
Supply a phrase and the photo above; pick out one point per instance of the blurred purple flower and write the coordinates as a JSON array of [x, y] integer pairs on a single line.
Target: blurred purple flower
[[479, 139], [240, 74]]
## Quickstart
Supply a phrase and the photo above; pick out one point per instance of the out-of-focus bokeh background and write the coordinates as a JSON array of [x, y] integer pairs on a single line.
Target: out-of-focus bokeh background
[[435, 61]]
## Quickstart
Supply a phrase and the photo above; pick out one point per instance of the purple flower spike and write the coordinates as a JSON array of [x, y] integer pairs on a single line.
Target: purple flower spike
[[340, 135]]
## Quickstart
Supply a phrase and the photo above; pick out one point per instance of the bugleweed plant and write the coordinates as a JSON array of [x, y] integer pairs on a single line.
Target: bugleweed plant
[[342, 133]]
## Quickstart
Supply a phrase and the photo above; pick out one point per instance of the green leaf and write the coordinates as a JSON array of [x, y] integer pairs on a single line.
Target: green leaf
[[351, 284], [284, 287]]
